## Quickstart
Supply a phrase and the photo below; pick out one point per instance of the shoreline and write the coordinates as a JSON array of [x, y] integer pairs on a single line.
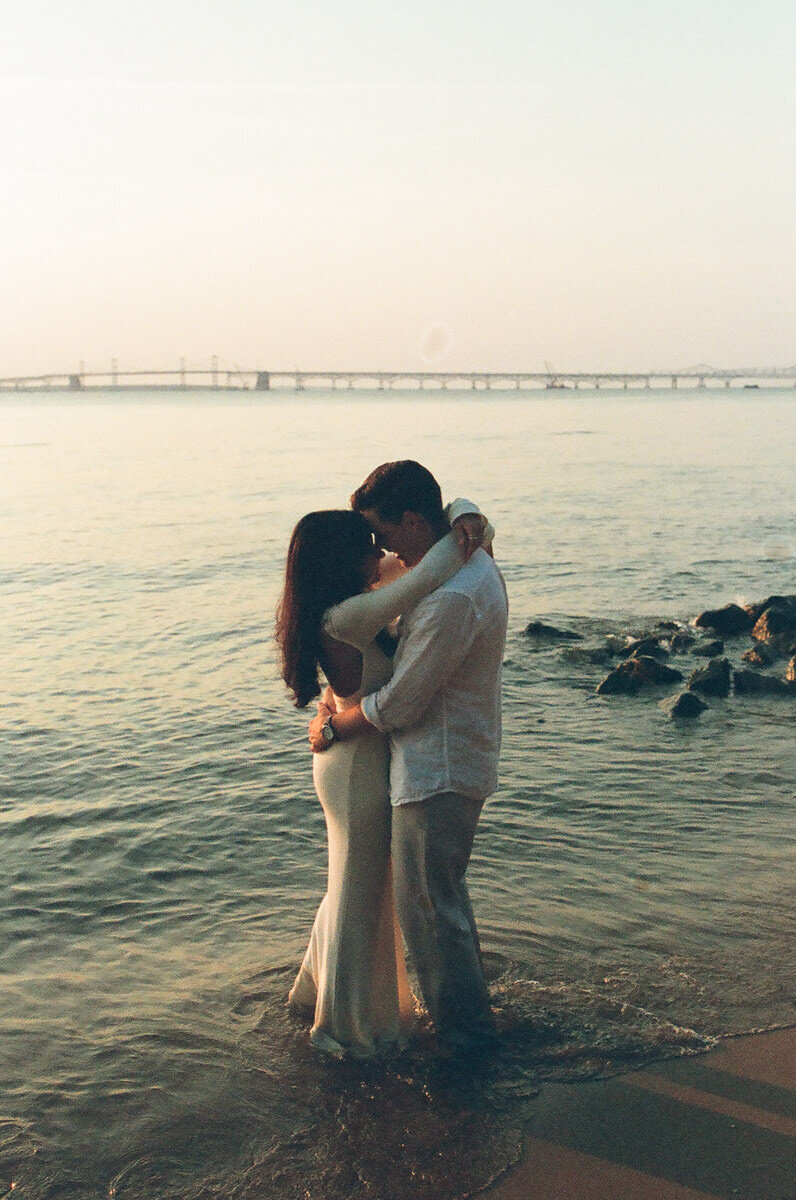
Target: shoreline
[[715, 1126]]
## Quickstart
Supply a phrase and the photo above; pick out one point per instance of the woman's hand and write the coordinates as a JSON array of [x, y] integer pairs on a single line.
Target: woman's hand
[[390, 567], [317, 741], [469, 531]]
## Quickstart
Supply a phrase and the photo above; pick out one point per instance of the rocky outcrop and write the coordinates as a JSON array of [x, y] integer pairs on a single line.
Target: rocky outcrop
[[754, 683], [728, 621], [713, 679], [757, 657], [756, 610], [650, 641], [649, 670], [709, 649], [771, 623], [648, 645], [634, 673], [684, 705], [619, 682], [615, 644], [776, 626]]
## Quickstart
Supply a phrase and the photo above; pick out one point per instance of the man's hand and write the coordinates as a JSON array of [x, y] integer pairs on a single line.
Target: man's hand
[[318, 742], [348, 723], [469, 532]]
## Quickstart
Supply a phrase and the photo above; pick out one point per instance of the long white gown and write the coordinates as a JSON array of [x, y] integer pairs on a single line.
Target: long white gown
[[353, 977]]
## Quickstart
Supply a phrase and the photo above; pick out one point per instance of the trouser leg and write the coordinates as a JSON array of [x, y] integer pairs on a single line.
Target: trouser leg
[[431, 845]]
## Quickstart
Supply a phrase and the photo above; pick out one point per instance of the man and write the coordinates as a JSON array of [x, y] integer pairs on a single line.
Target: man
[[441, 710]]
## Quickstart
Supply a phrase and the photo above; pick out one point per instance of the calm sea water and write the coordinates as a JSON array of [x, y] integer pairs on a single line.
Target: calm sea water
[[162, 851]]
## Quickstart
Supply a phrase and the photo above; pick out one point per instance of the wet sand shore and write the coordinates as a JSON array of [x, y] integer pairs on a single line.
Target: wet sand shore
[[716, 1127]]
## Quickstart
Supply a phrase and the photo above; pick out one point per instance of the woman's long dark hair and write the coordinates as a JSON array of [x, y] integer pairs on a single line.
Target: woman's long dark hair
[[326, 563]]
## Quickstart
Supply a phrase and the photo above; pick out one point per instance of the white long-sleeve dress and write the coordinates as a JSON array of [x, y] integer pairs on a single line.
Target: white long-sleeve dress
[[353, 977]]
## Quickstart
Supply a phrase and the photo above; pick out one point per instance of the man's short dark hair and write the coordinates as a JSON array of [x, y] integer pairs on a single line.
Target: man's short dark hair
[[398, 487]]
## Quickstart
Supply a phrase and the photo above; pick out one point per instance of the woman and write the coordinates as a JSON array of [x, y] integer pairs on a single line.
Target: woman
[[353, 977]]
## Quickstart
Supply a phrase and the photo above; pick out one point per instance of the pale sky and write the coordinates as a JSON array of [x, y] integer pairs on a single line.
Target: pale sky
[[400, 185]]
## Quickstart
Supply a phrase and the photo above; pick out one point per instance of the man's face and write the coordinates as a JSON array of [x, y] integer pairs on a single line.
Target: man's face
[[407, 538]]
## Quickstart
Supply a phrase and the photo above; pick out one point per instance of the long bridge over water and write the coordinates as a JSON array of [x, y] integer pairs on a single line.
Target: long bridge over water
[[220, 379]]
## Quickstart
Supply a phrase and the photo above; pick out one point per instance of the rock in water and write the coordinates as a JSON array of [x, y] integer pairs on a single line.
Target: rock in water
[[776, 626], [551, 633], [649, 670], [616, 644], [757, 657], [684, 704], [752, 683], [727, 621], [681, 641], [709, 649], [634, 673], [713, 679], [756, 610], [619, 682], [648, 645]]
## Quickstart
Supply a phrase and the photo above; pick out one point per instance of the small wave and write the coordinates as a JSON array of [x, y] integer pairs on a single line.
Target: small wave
[[258, 1114], [419, 1125], [568, 1032], [145, 1176]]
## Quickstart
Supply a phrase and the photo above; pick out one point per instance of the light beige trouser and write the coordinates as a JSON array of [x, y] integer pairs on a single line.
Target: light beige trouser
[[431, 844]]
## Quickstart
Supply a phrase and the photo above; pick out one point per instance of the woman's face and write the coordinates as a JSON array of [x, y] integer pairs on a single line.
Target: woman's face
[[372, 559]]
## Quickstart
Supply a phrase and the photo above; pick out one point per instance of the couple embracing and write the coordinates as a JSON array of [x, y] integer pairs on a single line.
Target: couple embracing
[[406, 745]]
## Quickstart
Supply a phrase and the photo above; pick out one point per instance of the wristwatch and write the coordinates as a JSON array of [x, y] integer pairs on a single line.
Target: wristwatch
[[327, 731]]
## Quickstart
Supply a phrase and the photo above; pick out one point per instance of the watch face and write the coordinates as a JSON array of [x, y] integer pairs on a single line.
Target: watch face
[[328, 732]]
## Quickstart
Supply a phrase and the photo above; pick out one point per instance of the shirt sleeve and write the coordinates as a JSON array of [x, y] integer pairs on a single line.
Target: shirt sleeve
[[439, 640], [358, 619], [460, 508]]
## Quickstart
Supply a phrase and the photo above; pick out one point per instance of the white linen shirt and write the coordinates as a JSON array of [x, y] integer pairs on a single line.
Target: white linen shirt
[[441, 708]]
